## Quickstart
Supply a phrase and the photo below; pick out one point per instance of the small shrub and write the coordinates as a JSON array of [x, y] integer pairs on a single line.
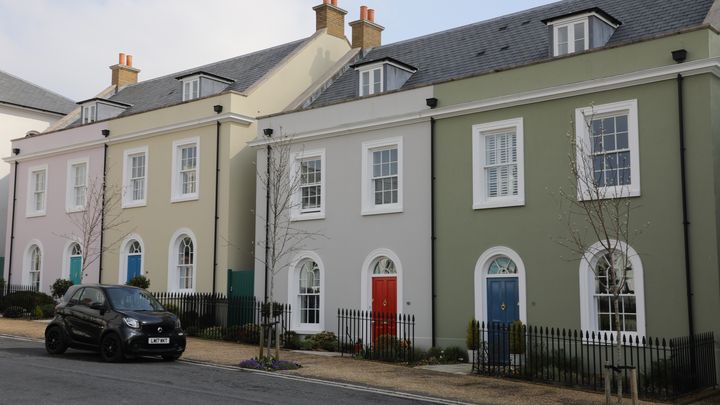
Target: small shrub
[[14, 312], [517, 338], [455, 354], [48, 311], [292, 340], [472, 336], [215, 332], [37, 312], [139, 281], [28, 300], [326, 341], [307, 344], [60, 287]]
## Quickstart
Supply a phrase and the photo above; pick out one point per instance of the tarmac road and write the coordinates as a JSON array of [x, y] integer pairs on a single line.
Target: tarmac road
[[28, 375]]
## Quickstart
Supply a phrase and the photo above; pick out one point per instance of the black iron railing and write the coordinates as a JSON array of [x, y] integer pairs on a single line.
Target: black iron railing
[[215, 316], [376, 335], [666, 368], [26, 301]]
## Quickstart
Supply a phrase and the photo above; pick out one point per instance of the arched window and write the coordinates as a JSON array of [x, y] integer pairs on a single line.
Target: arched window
[[35, 266], [502, 265], [598, 283], [384, 266], [135, 248], [309, 292], [185, 263], [75, 250]]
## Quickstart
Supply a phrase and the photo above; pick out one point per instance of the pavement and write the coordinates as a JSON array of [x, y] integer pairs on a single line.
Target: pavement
[[449, 384]]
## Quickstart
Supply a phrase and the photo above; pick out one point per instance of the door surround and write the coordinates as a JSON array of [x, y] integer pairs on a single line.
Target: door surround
[[366, 277], [123, 256], [481, 276]]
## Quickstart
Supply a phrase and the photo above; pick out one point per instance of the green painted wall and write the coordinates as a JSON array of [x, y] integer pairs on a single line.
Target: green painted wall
[[552, 271]]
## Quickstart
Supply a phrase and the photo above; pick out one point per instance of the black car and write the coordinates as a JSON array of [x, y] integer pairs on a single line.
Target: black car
[[119, 321]]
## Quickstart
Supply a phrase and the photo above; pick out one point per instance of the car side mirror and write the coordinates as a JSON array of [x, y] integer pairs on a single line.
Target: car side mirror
[[99, 306]]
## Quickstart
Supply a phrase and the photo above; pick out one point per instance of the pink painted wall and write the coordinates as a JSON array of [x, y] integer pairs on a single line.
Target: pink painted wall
[[48, 230]]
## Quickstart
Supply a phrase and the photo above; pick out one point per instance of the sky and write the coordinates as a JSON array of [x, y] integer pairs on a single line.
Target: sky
[[67, 45]]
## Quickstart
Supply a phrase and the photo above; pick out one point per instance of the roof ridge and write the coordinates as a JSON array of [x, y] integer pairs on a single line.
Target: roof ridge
[[180, 72], [38, 86]]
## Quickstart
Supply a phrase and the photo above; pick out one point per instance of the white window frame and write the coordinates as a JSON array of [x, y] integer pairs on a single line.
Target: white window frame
[[481, 200], [27, 264], [30, 210], [370, 69], [367, 192], [296, 212], [294, 296], [173, 276], [570, 25], [89, 113], [176, 178], [588, 309], [70, 205], [189, 82], [582, 139], [127, 201]]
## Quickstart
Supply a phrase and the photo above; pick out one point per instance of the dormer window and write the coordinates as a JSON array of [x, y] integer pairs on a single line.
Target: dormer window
[[580, 31], [377, 76], [191, 89], [202, 84], [97, 109]]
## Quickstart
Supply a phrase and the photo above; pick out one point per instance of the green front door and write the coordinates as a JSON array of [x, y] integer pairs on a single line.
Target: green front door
[[75, 269], [241, 302]]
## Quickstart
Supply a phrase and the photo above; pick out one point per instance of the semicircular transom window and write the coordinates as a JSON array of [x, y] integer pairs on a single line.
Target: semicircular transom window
[[384, 266], [135, 248], [502, 265]]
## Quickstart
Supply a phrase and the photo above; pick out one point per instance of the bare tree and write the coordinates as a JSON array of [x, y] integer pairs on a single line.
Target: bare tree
[[597, 209], [281, 181], [97, 228]]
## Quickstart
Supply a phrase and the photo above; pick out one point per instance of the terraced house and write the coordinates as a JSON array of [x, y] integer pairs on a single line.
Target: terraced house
[[488, 111], [175, 148]]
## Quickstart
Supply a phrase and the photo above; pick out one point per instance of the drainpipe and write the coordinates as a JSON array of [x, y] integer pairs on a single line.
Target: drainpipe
[[432, 103], [679, 56], [102, 217], [218, 109], [12, 225], [268, 133]]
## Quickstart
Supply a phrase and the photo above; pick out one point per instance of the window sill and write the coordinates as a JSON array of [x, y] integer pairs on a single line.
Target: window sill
[[499, 203], [35, 214], [608, 193], [183, 291], [307, 329], [391, 209], [308, 217], [629, 336], [72, 210], [184, 198], [134, 204]]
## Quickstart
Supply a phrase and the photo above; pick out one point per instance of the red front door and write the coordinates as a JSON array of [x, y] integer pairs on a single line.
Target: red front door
[[384, 305]]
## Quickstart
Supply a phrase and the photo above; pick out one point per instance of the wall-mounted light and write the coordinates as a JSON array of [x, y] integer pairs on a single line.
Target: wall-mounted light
[[217, 108], [431, 102], [16, 151], [105, 132], [268, 131], [679, 55]]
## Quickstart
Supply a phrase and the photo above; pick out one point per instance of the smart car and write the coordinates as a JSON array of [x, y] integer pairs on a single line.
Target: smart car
[[117, 321]]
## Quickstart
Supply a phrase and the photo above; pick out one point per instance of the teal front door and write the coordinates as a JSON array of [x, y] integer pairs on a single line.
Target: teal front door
[[133, 266], [76, 269], [241, 302]]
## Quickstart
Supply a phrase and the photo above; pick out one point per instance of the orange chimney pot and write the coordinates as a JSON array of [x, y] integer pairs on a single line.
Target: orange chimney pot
[[121, 58], [334, 3], [363, 13], [129, 60], [371, 15]]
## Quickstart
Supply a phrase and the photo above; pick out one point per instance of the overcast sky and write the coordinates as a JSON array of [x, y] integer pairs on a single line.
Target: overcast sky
[[67, 45]]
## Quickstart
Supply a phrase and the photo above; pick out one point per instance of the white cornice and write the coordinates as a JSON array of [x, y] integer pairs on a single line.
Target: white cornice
[[703, 66], [224, 117]]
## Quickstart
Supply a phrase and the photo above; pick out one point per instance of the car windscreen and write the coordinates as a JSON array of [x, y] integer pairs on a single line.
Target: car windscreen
[[131, 299]]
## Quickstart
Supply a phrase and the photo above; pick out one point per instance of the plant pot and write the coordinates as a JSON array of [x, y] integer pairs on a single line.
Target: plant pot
[[470, 354]]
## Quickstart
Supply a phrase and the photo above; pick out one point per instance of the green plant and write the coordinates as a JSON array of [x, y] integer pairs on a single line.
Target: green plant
[[456, 354], [2, 285], [37, 312], [14, 312], [215, 332], [324, 341], [292, 340], [27, 300], [60, 287], [139, 281], [48, 310], [307, 344], [517, 337], [472, 335]]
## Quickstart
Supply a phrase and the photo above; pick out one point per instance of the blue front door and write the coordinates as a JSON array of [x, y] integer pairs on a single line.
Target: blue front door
[[502, 310], [133, 264]]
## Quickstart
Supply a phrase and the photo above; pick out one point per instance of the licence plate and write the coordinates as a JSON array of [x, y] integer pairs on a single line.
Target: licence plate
[[158, 341]]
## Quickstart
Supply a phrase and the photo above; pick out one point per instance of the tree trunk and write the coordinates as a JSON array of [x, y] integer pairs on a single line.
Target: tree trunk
[[618, 346]]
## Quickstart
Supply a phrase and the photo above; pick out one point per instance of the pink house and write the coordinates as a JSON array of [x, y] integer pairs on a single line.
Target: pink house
[[53, 178]]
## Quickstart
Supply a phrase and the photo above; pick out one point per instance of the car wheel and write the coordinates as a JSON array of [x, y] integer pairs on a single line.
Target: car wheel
[[171, 356], [55, 342], [111, 348]]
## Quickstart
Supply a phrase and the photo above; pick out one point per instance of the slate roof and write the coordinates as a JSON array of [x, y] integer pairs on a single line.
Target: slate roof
[[517, 39], [245, 70], [16, 91]]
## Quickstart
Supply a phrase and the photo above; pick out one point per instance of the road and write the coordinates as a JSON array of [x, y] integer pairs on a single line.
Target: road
[[28, 375]]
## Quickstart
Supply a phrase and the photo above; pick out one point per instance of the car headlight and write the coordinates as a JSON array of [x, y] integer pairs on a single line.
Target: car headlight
[[132, 322], [177, 323]]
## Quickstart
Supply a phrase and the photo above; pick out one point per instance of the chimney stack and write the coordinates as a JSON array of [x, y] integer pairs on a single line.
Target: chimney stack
[[365, 32], [123, 73], [329, 15]]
